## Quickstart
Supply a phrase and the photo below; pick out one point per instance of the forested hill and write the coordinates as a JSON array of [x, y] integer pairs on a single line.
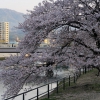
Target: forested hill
[[13, 17]]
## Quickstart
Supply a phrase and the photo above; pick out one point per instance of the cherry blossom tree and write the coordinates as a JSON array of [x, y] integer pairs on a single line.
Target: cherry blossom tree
[[72, 27]]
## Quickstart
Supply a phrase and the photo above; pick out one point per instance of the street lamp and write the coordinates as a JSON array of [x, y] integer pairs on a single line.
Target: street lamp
[[27, 55]]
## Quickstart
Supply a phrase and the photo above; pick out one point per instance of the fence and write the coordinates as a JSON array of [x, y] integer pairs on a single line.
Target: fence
[[60, 84]]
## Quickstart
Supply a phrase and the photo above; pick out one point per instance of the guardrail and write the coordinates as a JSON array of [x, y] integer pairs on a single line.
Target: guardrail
[[61, 83]]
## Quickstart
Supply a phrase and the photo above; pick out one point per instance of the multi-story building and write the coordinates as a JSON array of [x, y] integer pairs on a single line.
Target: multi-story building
[[4, 32]]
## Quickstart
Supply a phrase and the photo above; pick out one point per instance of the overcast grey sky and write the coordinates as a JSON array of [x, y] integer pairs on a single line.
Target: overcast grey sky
[[19, 5]]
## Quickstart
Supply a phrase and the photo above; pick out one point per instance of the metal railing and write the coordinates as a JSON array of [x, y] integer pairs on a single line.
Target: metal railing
[[60, 84]]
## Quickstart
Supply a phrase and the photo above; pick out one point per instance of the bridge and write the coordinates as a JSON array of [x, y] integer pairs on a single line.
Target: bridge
[[9, 50], [14, 50]]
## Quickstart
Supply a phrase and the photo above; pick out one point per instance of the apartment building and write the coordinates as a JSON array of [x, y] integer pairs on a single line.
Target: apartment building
[[4, 32]]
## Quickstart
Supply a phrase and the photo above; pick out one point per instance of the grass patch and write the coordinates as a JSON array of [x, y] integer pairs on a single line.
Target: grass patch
[[2, 58], [48, 99], [87, 86]]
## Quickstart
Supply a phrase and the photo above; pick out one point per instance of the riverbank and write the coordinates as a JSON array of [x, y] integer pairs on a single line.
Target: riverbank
[[2, 58], [87, 87]]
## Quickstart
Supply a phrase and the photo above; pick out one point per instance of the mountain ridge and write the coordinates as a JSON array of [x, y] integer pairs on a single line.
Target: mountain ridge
[[14, 18]]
